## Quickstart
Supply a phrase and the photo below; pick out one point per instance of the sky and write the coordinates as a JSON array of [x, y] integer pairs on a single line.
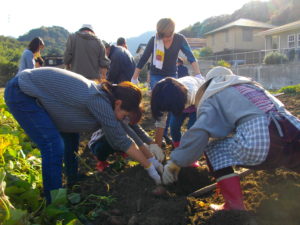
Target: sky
[[111, 18]]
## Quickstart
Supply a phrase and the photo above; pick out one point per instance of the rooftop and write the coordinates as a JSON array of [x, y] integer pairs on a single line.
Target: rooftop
[[280, 29], [242, 23]]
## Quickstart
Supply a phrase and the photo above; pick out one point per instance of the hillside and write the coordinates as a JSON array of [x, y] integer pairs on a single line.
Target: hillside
[[134, 42], [10, 53], [55, 39], [277, 12]]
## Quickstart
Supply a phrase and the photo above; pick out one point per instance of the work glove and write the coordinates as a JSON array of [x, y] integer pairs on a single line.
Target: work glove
[[135, 81], [157, 165], [157, 152], [199, 76], [170, 174], [153, 174]]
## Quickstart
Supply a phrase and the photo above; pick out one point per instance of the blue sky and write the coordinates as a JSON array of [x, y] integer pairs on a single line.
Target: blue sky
[[111, 18]]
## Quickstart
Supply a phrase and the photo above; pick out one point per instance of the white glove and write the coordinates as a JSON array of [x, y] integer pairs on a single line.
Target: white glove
[[199, 76], [158, 166], [157, 152], [153, 174], [170, 174], [135, 81]]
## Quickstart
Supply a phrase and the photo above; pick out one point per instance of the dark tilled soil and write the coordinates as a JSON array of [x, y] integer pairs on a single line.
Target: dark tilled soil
[[272, 198]]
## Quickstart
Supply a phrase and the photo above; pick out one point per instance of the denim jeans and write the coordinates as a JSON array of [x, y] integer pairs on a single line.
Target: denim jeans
[[71, 142], [176, 124], [37, 123], [153, 80]]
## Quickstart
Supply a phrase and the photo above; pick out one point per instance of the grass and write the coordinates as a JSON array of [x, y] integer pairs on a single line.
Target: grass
[[293, 89]]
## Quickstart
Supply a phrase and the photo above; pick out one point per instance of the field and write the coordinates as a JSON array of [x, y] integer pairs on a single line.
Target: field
[[124, 194], [271, 197]]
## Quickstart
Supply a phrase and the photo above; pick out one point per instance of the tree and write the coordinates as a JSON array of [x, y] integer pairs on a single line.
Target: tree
[[55, 39]]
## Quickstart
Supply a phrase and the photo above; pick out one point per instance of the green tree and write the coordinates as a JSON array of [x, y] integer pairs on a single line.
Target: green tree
[[10, 54], [206, 51], [55, 39]]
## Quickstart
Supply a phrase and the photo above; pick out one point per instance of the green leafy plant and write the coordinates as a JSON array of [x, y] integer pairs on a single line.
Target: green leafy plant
[[293, 89], [223, 63], [275, 58]]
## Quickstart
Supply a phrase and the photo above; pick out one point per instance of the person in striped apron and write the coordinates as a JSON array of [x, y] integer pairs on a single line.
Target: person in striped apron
[[250, 128]]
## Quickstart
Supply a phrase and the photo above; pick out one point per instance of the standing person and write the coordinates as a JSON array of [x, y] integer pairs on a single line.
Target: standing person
[[182, 70], [175, 96], [85, 54], [31, 57], [54, 105], [164, 48], [122, 64], [252, 129], [122, 42]]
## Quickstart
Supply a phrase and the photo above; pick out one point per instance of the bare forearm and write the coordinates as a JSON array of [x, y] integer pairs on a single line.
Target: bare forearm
[[159, 132], [146, 151], [136, 73], [138, 155], [196, 68]]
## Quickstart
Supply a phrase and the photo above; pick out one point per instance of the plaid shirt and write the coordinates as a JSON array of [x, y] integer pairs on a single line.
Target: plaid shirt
[[249, 145], [251, 142]]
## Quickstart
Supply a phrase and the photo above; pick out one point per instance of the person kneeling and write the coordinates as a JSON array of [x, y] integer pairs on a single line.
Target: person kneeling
[[101, 148], [251, 128]]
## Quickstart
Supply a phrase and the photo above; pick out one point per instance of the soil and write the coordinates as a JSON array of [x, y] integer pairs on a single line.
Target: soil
[[271, 197]]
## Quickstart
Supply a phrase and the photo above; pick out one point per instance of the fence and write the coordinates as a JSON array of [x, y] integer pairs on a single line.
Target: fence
[[270, 76], [253, 57]]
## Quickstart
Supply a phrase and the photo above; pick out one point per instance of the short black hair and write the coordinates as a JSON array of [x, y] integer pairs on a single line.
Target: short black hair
[[121, 41], [168, 95]]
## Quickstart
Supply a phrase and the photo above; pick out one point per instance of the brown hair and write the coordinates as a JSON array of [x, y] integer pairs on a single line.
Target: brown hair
[[35, 44], [165, 27], [129, 94]]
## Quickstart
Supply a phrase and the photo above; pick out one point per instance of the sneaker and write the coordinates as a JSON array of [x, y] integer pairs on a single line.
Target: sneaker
[[102, 165], [167, 140], [195, 164]]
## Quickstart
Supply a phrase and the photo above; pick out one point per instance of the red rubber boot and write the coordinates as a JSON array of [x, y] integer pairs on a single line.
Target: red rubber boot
[[232, 193]]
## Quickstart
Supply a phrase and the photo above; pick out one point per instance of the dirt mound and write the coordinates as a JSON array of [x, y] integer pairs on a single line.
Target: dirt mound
[[270, 197]]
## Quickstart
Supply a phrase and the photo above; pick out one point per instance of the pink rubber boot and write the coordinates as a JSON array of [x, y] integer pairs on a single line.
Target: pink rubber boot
[[232, 193]]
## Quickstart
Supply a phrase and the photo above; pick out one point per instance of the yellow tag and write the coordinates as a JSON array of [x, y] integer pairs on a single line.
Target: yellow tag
[[160, 55]]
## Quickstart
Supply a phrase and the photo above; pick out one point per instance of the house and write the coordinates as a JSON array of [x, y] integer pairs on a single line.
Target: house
[[196, 43], [283, 37], [237, 36], [54, 61]]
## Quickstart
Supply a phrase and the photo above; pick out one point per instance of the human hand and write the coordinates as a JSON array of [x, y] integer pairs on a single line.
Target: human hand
[[199, 76], [157, 152], [135, 81], [153, 174], [170, 174], [158, 166]]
